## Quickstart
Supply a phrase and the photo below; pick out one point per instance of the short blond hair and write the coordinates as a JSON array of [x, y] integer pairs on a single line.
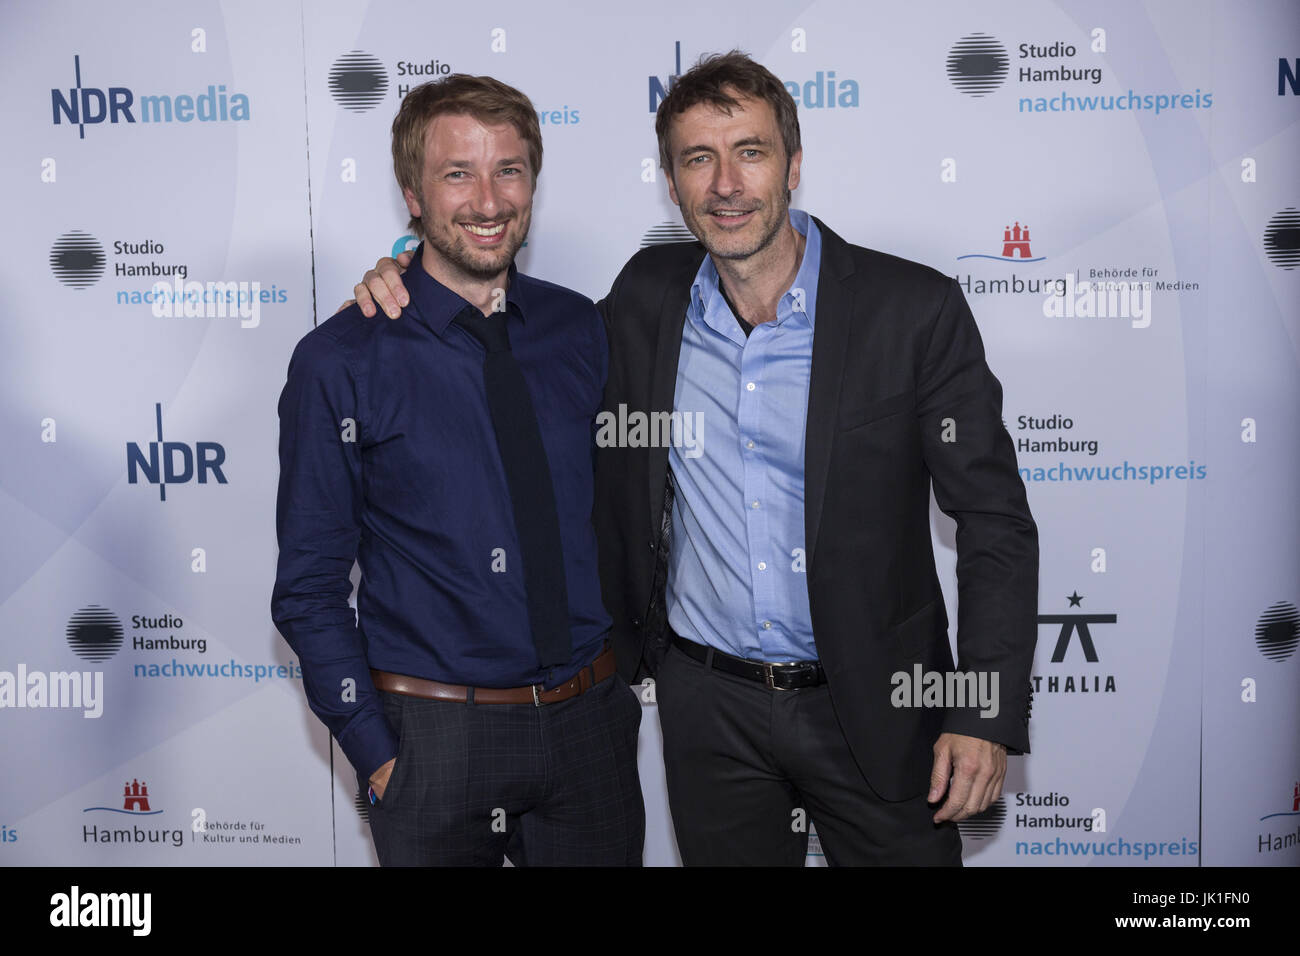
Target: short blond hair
[[486, 99]]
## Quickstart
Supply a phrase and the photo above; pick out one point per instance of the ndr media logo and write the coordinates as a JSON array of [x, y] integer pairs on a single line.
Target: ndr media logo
[[83, 106], [1056, 77], [823, 91], [173, 462]]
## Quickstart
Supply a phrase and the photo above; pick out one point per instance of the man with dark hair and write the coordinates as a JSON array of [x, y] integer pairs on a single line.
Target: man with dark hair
[[450, 455], [779, 584]]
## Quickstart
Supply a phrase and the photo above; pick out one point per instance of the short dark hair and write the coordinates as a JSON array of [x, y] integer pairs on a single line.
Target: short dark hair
[[719, 79], [488, 100]]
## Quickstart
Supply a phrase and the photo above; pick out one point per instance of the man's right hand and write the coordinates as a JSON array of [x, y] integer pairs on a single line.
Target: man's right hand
[[382, 285], [379, 779]]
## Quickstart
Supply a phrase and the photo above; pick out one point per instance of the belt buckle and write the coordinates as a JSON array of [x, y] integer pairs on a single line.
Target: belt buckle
[[537, 700], [769, 677]]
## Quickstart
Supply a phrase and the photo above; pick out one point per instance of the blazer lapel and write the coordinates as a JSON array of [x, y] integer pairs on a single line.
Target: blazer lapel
[[663, 383], [830, 345]]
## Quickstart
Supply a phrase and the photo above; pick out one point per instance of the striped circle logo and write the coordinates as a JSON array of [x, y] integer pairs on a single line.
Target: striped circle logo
[[984, 826], [358, 81], [94, 633], [977, 64], [77, 259], [666, 232], [1282, 238], [1278, 631]]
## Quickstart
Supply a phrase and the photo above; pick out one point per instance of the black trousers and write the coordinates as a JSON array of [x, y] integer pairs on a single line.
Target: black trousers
[[748, 768], [555, 785]]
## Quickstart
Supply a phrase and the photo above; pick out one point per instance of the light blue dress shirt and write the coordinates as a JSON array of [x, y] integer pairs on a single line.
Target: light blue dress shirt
[[736, 572]]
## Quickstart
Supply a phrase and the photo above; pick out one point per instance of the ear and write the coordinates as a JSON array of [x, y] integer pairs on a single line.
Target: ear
[[412, 203], [672, 186], [792, 180]]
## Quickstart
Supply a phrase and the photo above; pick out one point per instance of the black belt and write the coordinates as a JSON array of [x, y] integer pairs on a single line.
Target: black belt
[[776, 676]]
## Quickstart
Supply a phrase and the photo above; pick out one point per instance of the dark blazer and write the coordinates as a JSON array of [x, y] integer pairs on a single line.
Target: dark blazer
[[900, 397]]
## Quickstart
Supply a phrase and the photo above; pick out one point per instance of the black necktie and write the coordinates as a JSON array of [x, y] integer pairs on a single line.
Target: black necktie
[[528, 477]]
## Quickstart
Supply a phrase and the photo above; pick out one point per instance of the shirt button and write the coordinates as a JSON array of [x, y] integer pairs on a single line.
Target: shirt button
[[750, 443], [753, 504], [762, 565], [749, 386], [767, 625]]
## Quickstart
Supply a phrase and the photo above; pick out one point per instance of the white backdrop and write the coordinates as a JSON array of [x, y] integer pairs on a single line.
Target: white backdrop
[[245, 142]]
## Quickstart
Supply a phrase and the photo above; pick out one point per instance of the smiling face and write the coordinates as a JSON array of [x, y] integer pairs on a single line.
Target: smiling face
[[730, 178], [475, 199]]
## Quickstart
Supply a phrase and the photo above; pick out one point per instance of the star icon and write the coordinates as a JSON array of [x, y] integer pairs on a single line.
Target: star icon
[[1074, 598]]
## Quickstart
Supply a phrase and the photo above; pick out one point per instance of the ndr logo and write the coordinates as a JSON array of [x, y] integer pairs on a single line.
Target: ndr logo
[[179, 462], [89, 105], [823, 91]]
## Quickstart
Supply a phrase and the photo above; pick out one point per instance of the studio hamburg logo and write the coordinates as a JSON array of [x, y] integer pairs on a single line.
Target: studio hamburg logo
[[985, 825], [77, 259], [1278, 631], [1282, 238], [358, 81], [94, 633], [665, 233], [977, 64]]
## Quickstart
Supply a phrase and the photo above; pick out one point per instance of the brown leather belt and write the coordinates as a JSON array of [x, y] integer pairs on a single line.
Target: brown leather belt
[[587, 678]]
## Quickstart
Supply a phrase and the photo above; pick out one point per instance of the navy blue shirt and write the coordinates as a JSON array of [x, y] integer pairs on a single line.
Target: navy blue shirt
[[388, 457]]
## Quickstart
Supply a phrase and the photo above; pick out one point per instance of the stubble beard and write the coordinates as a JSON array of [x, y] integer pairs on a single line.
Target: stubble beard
[[477, 263], [774, 229]]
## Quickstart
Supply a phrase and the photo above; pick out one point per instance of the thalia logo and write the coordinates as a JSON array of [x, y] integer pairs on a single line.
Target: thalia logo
[[1072, 623], [1015, 247], [823, 91], [179, 462], [1088, 682], [89, 105]]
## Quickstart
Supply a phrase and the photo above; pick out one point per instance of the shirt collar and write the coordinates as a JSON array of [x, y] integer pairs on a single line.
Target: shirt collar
[[706, 296], [437, 305]]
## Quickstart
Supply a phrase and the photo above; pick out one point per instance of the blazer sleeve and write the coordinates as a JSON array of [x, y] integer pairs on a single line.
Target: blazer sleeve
[[972, 463]]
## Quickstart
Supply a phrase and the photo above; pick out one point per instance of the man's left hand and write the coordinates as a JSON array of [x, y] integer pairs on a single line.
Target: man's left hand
[[971, 770]]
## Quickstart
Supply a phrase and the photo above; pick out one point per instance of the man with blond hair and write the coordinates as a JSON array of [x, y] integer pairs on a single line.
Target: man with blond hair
[[450, 455]]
